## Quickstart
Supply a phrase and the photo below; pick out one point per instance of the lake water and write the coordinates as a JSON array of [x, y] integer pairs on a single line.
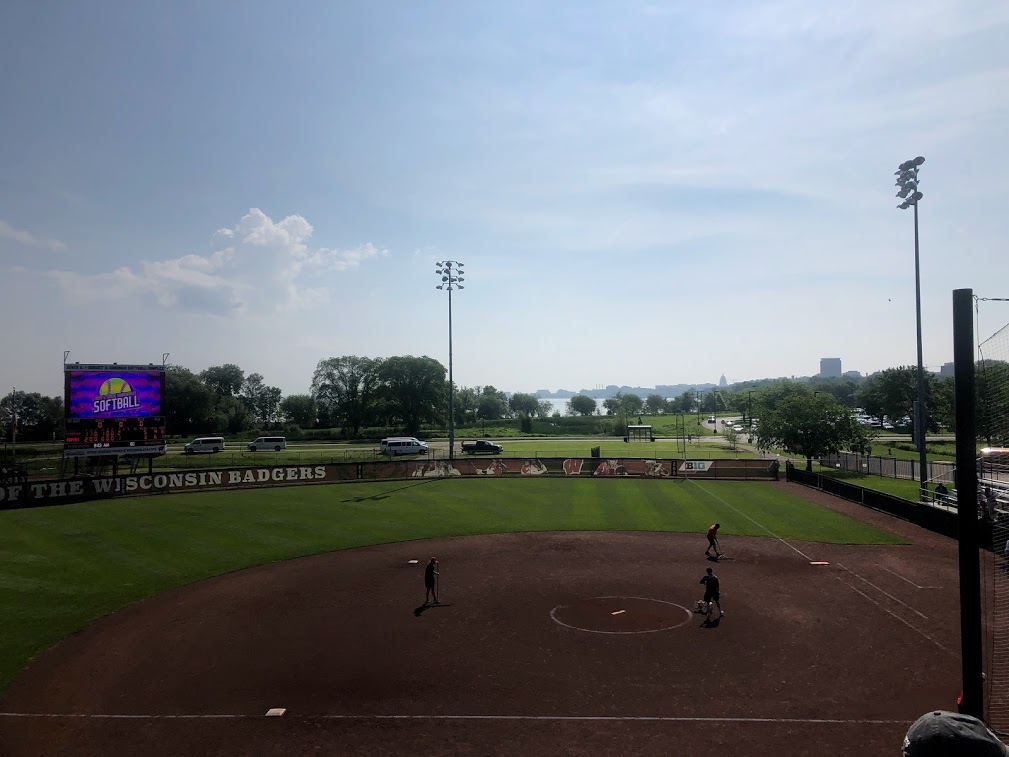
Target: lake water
[[560, 404]]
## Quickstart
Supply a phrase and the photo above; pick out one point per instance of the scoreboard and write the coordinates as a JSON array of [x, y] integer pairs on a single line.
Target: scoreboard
[[115, 436], [113, 410]]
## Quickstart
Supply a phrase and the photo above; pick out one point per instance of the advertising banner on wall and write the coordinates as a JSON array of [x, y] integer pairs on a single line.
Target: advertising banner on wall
[[27, 493]]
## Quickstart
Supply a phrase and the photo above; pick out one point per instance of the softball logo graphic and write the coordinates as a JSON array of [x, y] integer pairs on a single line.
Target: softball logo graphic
[[115, 394]]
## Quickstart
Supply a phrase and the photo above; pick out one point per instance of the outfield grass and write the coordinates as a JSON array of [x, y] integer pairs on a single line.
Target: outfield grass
[[236, 455], [905, 488], [934, 451], [616, 448], [63, 567]]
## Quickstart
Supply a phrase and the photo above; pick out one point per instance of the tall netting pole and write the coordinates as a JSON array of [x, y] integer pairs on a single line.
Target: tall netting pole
[[966, 495]]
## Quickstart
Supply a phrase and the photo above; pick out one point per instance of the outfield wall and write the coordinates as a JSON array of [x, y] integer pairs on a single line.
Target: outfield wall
[[55, 492]]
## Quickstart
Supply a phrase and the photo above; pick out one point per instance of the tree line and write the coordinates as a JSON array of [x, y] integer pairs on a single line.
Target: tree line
[[352, 393]]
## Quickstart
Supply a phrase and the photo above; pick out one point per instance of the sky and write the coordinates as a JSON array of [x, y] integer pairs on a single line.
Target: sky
[[641, 193]]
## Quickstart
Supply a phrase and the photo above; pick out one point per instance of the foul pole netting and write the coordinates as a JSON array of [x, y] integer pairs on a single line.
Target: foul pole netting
[[992, 426]]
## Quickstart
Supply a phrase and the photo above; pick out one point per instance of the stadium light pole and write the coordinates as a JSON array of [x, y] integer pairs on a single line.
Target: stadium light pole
[[907, 180], [451, 272]]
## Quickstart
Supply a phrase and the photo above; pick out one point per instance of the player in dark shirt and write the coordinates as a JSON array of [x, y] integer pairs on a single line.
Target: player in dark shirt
[[431, 582], [711, 593]]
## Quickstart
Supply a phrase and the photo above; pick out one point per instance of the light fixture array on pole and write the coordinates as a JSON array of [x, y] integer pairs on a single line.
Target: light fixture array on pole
[[907, 183], [451, 273]]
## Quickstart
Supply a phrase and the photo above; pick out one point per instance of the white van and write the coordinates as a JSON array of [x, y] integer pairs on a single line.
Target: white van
[[403, 445], [276, 443], [205, 444]]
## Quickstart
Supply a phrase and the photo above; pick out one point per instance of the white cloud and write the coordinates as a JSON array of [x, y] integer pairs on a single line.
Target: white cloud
[[258, 264], [28, 239]]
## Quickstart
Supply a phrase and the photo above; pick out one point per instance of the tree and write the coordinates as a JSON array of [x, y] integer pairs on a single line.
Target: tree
[[188, 403], [232, 415], [299, 409], [465, 404], [800, 422], [581, 405], [941, 407], [491, 404], [524, 404], [415, 388], [262, 400], [842, 388], [38, 416], [346, 389], [893, 393], [686, 402], [655, 404], [632, 404], [224, 380], [544, 409]]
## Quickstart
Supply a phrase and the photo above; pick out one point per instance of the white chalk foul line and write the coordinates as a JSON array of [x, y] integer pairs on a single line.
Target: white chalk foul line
[[881, 591], [908, 579], [755, 522], [895, 615], [547, 718], [100, 716], [850, 586]]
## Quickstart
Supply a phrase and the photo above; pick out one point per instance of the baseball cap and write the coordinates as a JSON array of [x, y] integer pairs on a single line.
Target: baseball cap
[[944, 734]]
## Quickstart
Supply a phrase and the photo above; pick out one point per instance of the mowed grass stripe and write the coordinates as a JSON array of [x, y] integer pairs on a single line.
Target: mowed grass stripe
[[63, 567]]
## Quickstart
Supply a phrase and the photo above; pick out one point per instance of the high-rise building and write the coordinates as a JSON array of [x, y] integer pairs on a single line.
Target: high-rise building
[[830, 366], [946, 370]]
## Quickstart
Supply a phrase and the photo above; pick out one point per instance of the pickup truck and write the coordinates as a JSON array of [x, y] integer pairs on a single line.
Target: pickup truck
[[482, 446]]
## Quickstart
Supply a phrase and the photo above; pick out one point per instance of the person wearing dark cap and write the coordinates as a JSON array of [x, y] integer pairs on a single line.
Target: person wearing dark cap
[[711, 593], [431, 582], [945, 734]]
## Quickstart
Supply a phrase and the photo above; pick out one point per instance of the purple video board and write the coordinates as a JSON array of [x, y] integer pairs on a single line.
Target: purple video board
[[113, 394]]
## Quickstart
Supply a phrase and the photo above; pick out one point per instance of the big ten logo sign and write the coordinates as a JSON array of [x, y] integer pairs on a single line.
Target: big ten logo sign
[[695, 466]]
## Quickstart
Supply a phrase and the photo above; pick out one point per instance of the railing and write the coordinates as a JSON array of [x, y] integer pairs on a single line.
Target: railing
[[940, 519], [889, 467]]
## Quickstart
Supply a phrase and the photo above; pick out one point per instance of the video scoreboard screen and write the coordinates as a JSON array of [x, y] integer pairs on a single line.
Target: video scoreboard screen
[[113, 410]]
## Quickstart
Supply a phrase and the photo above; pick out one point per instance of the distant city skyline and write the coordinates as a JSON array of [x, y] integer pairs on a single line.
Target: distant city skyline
[[596, 390]]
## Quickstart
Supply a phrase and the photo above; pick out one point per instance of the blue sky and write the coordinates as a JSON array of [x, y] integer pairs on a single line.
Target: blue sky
[[641, 193]]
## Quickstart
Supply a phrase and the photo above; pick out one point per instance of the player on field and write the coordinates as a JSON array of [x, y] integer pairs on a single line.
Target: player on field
[[431, 582], [711, 593], [713, 540]]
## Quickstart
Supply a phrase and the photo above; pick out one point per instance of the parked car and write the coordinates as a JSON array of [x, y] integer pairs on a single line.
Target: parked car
[[482, 446], [711, 419], [204, 444], [402, 445], [276, 443]]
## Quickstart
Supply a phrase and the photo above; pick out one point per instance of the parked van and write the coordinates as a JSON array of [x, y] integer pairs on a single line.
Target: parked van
[[205, 444], [276, 443], [403, 445]]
